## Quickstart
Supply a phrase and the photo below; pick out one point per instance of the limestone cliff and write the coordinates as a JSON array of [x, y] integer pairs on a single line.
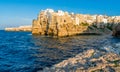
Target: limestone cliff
[[62, 23], [56, 24]]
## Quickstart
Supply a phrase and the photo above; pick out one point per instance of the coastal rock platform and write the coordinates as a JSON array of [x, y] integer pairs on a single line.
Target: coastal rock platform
[[21, 28], [91, 60]]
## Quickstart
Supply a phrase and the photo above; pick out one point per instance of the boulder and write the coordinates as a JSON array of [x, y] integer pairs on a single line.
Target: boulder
[[116, 30]]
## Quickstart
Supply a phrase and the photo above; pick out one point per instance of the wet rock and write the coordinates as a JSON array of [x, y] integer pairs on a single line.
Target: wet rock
[[117, 69], [109, 69], [85, 62]]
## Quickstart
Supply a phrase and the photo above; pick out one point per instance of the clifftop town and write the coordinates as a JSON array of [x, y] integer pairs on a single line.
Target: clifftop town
[[60, 23]]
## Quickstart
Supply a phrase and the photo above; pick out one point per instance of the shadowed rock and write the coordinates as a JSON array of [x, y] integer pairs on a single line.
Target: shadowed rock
[[116, 30]]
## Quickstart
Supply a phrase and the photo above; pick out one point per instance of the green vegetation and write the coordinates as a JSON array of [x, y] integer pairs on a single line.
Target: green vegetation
[[98, 70], [102, 30], [115, 62], [84, 24], [90, 28], [94, 26], [110, 26]]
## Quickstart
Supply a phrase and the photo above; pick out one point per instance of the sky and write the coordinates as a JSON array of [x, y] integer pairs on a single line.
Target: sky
[[15, 13]]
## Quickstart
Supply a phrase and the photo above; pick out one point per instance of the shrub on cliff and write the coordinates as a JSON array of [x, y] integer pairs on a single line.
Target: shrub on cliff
[[84, 24], [110, 26]]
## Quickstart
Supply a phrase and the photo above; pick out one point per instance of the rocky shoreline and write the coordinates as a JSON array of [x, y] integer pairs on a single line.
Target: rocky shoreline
[[104, 59], [20, 28]]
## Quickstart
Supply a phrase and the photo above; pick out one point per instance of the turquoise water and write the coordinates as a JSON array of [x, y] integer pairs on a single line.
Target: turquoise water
[[22, 52]]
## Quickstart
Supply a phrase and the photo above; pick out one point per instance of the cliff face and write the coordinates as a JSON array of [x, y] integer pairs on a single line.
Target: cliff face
[[57, 30], [116, 30], [62, 23], [56, 24]]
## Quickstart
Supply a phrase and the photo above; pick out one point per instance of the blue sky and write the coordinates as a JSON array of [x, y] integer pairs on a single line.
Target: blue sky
[[21, 12]]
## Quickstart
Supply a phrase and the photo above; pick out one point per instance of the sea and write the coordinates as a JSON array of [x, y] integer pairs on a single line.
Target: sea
[[24, 52]]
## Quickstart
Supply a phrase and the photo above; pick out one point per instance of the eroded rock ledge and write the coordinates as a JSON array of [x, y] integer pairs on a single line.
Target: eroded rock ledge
[[88, 61]]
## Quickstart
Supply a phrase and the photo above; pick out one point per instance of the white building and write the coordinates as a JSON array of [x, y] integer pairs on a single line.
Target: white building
[[49, 10], [48, 13], [94, 17], [60, 13], [89, 21], [77, 21], [105, 21]]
